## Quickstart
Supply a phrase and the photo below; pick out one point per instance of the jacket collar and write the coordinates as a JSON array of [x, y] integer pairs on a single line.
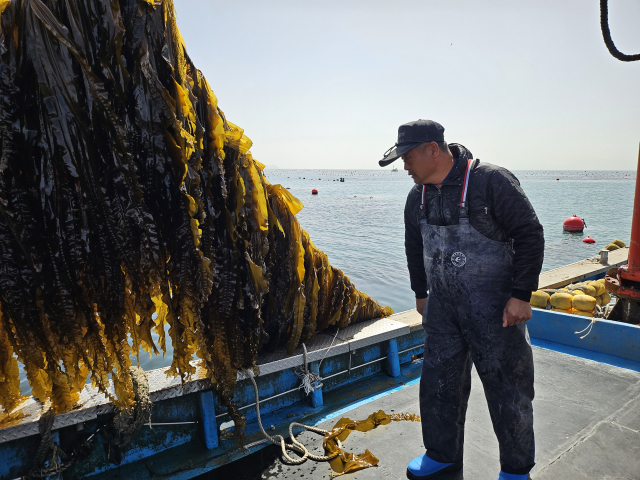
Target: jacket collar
[[462, 156]]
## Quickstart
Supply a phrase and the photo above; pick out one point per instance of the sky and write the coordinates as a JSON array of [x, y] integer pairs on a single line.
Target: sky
[[528, 85]]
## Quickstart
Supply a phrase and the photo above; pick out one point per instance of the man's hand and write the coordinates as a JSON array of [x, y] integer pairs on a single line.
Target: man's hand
[[516, 311], [420, 304]]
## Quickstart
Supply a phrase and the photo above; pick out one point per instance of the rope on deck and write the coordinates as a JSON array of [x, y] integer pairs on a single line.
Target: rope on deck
[[279, 439]]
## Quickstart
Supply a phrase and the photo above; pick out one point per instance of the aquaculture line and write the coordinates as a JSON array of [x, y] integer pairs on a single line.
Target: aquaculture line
[[128, 201]]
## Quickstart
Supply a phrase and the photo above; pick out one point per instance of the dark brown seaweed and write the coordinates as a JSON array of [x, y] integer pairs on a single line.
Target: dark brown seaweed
[[128, 202]]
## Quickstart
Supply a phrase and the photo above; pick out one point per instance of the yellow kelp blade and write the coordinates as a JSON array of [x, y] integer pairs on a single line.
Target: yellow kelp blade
[[348, 462]]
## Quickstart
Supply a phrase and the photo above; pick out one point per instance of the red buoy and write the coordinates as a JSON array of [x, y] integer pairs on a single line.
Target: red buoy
[[573, 224], [314, 191], [588, 240]]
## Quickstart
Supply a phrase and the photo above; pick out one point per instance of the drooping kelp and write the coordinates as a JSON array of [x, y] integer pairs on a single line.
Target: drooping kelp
[[128, 202]]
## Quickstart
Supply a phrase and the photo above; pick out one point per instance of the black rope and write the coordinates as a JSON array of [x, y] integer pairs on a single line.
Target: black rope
[[45, 424], [125, 423], [606, 34], [117, 431], [48, 450]]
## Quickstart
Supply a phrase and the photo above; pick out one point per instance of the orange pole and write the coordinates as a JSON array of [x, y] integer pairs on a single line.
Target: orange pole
[[631, 271]]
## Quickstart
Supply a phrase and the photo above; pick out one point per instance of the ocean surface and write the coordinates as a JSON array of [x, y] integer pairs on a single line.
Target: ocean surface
[[359, 223]]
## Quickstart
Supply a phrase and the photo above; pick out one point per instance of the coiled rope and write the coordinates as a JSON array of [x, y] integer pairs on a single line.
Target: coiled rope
[[310, 382], [606, 34], [279, 439]]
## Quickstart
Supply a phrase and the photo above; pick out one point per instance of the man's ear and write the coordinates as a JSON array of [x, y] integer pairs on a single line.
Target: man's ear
[[432, 149]]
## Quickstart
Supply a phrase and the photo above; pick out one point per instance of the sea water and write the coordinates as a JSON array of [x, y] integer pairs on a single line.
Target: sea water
[[359, 224]]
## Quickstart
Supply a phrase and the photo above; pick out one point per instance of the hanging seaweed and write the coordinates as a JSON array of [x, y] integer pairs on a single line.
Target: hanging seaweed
[[129, 202]]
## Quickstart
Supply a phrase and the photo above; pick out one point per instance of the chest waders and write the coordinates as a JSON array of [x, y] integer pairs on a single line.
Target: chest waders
[[470, 280]]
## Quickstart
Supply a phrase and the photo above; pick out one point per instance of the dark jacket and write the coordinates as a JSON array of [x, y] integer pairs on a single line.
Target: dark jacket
[[498, 209]]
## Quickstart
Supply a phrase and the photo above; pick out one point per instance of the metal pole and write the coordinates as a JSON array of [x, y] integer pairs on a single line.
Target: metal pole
[[631, 271]]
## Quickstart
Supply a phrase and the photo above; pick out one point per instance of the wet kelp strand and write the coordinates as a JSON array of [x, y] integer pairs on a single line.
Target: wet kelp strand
[[129, 202]]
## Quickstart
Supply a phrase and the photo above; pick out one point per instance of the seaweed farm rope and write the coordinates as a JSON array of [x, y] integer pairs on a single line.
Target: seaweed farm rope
[[130, 203]]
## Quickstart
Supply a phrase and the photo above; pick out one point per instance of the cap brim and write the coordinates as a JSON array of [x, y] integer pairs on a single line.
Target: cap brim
[[396, 153]]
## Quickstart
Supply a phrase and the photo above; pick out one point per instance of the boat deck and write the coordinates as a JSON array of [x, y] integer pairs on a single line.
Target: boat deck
[[589, 268], [587, 424]]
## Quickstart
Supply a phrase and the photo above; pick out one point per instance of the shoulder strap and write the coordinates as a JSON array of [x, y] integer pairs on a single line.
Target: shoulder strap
[[464, 209], [465, 185]]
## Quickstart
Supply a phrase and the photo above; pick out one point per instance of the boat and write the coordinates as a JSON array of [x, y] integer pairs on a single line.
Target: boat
[[394, 169], [587, 399], [351, 369], [190, 433]]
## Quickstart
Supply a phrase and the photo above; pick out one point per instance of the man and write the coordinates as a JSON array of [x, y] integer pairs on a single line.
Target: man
[[474, 249]]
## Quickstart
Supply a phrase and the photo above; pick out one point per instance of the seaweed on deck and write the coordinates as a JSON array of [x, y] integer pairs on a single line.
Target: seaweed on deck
[[128, 201]]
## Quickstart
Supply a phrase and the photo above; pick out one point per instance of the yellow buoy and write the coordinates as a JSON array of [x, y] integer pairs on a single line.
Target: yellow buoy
[[577, 292], [539, 299], [562, 310], [619, 243], [606, 298], [584, 303], [561, 300], [611, 246], [588, 290], [599, 287]]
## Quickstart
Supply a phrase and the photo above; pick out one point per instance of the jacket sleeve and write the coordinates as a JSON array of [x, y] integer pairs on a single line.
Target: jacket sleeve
[[413, 247], [515, 215]]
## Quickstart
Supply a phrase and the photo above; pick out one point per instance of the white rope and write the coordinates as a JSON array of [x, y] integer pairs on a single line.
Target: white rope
[[588, 327], [330, 346], [309, 380], [279, 439]]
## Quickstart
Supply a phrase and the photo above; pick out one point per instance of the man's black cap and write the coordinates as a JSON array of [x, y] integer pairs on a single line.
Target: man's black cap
[[412, 134]]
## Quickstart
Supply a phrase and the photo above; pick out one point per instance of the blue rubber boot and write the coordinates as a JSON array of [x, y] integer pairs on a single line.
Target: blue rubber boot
[[512, 476], [423, 467]]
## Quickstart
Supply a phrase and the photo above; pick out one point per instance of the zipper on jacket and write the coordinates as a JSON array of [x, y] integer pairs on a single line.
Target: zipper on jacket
[[441, 210]]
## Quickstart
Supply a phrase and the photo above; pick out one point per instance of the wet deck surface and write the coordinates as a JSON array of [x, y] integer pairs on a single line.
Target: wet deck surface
[[587, 424]]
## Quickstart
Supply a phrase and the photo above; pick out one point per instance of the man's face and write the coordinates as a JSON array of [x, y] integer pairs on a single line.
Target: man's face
[[419, 163]]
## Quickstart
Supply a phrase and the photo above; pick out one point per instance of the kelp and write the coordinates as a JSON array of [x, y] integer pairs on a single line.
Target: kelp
[[347, 462], [128, 202]]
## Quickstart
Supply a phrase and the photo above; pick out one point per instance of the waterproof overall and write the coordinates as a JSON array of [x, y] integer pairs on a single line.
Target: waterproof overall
[[469, 278]]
